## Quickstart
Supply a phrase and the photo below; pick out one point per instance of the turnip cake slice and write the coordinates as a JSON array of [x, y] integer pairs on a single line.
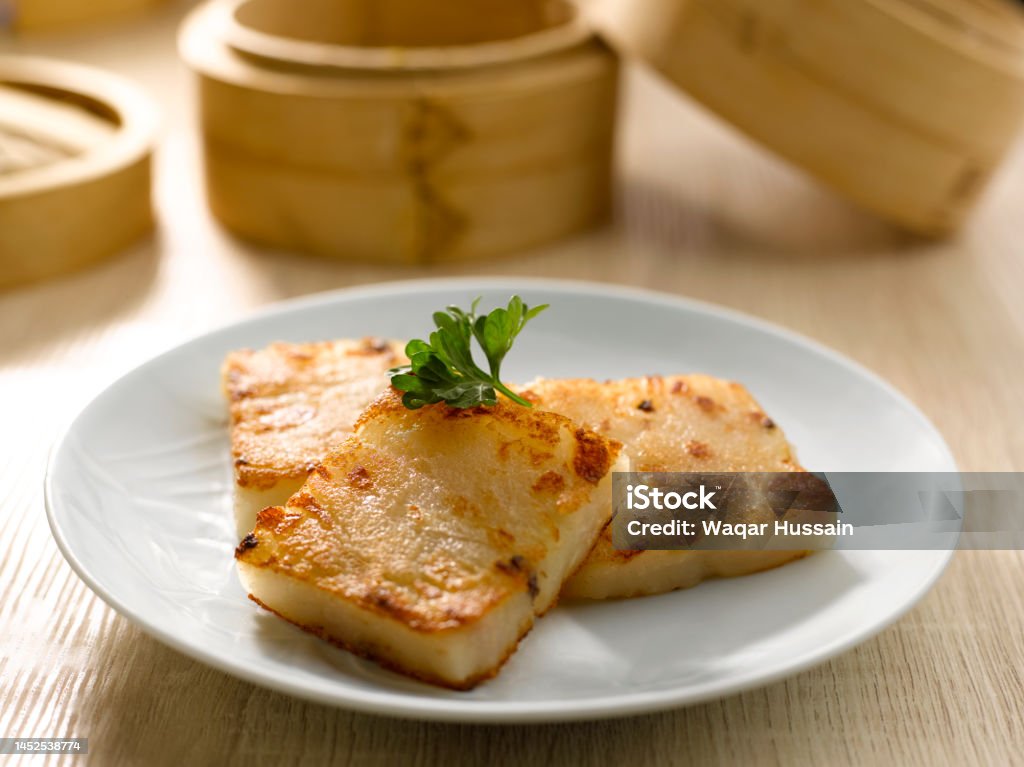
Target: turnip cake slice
[[680, 423], [431, 539]]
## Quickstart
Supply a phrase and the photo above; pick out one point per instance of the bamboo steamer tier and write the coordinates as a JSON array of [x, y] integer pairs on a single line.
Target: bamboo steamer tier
[[904, 106], [75, 146], [395, 130]]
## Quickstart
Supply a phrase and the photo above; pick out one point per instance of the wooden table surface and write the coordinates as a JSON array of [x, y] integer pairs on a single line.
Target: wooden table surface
[[702, 213]]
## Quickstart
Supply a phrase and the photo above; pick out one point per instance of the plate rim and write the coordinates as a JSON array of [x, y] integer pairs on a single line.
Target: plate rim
[[399, 704]]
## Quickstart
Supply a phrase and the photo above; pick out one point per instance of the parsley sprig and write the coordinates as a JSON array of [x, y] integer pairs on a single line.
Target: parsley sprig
[[443, 370]]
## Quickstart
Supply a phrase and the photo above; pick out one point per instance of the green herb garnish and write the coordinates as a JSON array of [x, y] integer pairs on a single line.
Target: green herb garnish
[[442, 369]]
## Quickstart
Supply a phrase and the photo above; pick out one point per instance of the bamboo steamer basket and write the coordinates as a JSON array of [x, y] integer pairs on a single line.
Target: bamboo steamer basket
[[45, 15], [396, 130], [904, 106], [75, 146]]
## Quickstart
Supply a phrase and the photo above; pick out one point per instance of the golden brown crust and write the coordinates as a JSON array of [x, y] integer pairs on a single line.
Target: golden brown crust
[[594, 454], [291, 541], [312, 537], [283, 366], [673, 423], [593, 457], [290, 402]]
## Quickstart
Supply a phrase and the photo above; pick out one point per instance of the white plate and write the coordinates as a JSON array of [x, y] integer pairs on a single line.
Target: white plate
[[138, 496]]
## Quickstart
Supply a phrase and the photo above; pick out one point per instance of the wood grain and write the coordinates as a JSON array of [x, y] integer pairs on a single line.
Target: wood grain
[[700, 213]]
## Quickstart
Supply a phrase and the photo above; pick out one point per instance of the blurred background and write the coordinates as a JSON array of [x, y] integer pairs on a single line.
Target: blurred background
[[697, 208]]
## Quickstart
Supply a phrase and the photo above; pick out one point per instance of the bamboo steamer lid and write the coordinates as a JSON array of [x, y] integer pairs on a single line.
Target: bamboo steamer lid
[[904, 106], [403, 131], [75, 147]]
